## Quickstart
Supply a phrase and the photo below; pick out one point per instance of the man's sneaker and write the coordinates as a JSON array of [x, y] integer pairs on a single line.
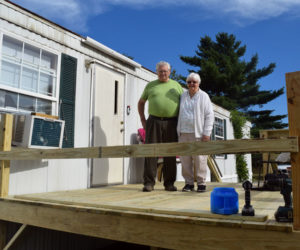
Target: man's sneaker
[[171, 188], [147, 188], [201, 188], [188, 188]]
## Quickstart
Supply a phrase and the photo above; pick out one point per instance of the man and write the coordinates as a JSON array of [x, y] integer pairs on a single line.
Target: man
[[163, 96]]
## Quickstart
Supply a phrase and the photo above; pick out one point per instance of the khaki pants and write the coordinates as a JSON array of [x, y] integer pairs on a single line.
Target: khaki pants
[[160, 131], [188, 163]]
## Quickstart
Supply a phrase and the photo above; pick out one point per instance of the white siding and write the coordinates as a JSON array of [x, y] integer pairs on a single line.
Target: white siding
[[246, 132], [227, 166], [133, 167]]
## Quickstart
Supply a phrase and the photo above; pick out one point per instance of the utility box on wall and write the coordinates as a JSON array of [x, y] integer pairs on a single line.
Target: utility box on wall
[[38, 132]]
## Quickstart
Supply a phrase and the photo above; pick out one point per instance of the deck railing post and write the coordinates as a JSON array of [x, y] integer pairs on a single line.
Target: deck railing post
[[293, 101], [5, 145]]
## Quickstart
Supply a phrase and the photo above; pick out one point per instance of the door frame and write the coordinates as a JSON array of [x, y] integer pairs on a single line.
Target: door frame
[[92, 67]]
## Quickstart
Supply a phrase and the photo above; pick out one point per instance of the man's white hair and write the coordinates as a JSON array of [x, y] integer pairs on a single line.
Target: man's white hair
[[161, 63]]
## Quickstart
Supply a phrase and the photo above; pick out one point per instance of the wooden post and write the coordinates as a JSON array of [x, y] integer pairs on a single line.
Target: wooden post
[[271, 134], [293, 100], [264, 134], [5, 145]]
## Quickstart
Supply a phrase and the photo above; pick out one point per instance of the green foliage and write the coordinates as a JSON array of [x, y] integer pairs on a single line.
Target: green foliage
[[263, 120], [232, 82], [241, 168], [238, 120], [178, 78]]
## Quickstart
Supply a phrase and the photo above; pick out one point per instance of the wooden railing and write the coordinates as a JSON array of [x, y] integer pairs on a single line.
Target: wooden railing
[[154, 150], [290, 144]]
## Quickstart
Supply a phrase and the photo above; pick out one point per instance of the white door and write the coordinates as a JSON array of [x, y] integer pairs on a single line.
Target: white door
[[108, 124]]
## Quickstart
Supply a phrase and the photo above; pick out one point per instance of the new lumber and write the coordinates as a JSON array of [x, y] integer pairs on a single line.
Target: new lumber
[[214, 168], [166, 231], [293, 100], [5, 146], [15, 237], [155, 150]]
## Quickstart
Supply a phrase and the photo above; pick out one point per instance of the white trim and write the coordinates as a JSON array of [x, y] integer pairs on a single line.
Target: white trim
[[55, 98], [92, 66], [93, 43], [91, 126], [229, 177], [124, 125], [28, 41], [27, 93]]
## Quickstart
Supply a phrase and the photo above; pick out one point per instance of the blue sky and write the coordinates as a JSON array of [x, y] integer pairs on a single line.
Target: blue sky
[[154, 30]]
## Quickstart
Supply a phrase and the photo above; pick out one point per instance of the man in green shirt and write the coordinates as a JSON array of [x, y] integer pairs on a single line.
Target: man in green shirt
[[163, 96]]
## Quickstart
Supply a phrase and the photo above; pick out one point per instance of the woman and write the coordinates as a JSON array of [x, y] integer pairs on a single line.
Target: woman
[[195, 123]]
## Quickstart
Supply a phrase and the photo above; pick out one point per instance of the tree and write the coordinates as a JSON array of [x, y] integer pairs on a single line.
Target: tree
[[232, 82], [264, 120], [178, 78]]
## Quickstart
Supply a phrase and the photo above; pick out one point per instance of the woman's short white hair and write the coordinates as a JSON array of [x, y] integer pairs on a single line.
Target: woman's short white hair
[[161, 63], [194, 76]]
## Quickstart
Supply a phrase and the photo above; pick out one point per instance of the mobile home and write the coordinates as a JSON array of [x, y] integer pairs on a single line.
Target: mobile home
[[46, 68]]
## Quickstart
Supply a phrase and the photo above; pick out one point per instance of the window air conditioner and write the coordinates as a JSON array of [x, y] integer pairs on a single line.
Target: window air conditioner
[[38, 132]]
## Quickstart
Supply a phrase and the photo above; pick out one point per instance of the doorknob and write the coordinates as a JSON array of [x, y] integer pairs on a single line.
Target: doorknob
[[122, 130]]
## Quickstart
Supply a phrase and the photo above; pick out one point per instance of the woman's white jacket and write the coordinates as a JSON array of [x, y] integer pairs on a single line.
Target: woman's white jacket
[[203, 113]]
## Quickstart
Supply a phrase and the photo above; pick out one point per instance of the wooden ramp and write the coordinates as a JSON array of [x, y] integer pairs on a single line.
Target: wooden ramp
[[214, 168], [173, 220]]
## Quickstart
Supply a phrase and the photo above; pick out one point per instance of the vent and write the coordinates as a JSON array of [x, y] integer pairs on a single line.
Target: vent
[[38, 132]]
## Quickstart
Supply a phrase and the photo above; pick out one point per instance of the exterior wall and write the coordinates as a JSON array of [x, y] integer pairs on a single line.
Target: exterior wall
[[53, 175], [133, 167], [248, 158], [226, 166]]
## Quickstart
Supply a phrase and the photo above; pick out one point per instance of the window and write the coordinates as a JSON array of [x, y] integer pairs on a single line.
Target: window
[[219, 131], [28, 77]]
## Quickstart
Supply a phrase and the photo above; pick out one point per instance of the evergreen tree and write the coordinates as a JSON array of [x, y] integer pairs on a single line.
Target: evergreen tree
[[264, 120], [232, 82], [178, 78]]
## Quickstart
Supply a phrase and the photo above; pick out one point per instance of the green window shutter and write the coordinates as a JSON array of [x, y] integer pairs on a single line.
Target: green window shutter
[[213, 136], [213, 133], [225, 130], [67, 97]]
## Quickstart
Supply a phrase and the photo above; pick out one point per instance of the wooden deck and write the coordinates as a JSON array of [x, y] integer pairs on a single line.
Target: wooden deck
[[174, 220]]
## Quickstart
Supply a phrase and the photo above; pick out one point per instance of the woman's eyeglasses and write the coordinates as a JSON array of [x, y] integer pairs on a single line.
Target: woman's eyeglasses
[[192, 82]]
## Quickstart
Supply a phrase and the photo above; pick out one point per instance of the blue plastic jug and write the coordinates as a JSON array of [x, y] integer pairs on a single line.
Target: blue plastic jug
[[224, 200]]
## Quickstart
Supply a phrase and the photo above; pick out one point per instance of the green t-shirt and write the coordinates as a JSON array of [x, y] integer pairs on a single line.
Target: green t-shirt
[[163, 98]]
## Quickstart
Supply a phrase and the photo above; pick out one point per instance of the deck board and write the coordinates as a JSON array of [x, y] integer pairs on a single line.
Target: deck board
[[131, 198]]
